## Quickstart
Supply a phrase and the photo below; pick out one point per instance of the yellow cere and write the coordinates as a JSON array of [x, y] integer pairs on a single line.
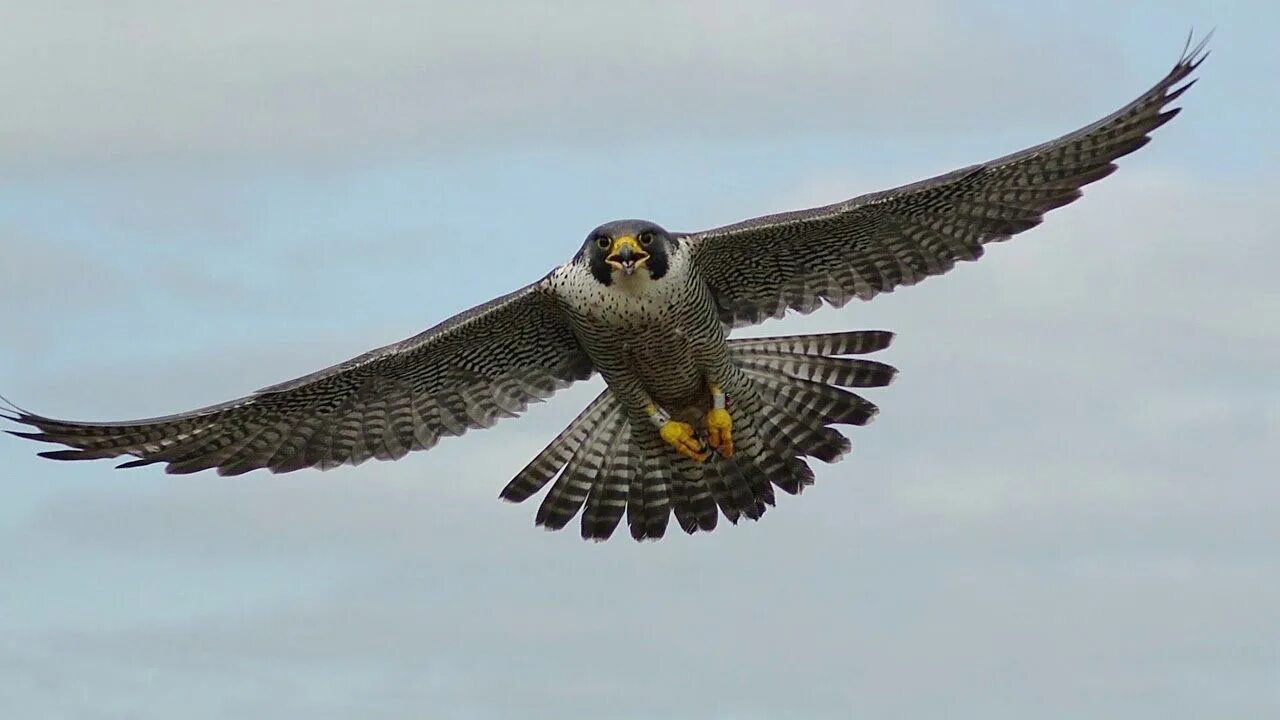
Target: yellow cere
[[626, 241]]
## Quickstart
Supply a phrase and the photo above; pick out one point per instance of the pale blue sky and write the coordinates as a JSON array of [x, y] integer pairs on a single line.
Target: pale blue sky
[[1067, 508]]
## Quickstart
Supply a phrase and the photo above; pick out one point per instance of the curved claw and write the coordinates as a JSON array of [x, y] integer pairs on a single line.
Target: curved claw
[[680, 436], [720, 431]]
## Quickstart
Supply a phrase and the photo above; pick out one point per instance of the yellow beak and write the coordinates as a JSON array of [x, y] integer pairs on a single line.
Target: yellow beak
[[626, 254]]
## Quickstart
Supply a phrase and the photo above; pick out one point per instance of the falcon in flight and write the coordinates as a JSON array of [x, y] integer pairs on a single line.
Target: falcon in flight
[[691, 423]]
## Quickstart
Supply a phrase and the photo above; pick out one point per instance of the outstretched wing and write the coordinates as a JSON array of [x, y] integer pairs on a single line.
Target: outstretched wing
[[484, 364], [871, 244]]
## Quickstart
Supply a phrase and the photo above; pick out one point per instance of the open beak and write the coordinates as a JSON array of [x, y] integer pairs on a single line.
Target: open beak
[[626, 255]]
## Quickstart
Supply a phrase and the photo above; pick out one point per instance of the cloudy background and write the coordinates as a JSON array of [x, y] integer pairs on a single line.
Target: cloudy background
[[1068, 507]]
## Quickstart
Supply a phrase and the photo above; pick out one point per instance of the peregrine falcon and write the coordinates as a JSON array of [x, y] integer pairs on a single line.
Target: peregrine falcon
[[690, 423]]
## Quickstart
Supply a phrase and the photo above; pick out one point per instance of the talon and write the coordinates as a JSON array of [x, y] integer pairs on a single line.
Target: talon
[[720, 431], [680, 436]]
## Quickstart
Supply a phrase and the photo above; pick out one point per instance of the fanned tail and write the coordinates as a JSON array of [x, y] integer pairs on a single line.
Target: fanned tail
[[788, 395]]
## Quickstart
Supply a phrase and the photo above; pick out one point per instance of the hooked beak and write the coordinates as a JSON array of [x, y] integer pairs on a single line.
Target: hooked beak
[[626, 255]]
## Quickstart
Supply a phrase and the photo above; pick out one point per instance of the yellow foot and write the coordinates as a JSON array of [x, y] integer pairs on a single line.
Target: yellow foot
[[680, 436], [720, 431]]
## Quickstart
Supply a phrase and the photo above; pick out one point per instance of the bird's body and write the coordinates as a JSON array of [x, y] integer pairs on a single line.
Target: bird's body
[[691, 423], [650, 339]]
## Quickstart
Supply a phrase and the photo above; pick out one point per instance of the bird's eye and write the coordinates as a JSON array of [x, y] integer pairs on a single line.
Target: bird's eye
[[603, 242], [646, 238]]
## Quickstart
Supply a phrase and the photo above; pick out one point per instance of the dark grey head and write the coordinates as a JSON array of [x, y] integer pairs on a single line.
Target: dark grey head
[[627, 247]]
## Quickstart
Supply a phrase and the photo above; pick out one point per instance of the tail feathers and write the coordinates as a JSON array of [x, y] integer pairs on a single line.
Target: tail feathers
[[608, 499], [763, 458], [693, 501], [558, 452], [748, 477], [741, 484], [845, 372], [800, 478], [581, 473], [834, 405], [603, 471], [798, 380], [669, 484], [814, 357], [787, 396], [797, 428], [792, 437], [858, 342], [649, 499], [737, 496], [730, 498]]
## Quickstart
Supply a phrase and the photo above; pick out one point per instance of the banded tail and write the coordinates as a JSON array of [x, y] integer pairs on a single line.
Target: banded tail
[[790, 393]]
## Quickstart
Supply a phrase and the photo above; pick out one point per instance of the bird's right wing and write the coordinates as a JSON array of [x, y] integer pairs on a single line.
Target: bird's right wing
[[486, 363]]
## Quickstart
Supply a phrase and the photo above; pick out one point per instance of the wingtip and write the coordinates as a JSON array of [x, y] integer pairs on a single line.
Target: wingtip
[[36, 435], [135, 463], [73, 454], [1193, 55], [1179, 79], [10, 410], [1175, 93]]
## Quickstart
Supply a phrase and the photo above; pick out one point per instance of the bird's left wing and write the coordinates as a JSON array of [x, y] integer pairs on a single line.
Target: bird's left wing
[[484, 364], [759, 268]]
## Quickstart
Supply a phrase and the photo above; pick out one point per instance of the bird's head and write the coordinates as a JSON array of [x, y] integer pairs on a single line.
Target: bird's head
[[628, 249]]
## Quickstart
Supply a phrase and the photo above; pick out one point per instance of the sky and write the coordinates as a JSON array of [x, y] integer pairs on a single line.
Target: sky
[[1067, 508]]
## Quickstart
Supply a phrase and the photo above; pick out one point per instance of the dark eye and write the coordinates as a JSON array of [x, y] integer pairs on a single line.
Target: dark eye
[[603, 242], [646, 238]]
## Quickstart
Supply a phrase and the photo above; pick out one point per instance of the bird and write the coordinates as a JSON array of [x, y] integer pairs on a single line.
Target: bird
[[691, 423]]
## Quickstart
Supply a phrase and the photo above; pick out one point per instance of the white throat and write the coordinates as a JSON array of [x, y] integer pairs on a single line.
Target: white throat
[[637, 283]]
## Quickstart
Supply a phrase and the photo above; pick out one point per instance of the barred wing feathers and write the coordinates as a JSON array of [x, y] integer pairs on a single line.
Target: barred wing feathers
[[759, 268], [487, 363]]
